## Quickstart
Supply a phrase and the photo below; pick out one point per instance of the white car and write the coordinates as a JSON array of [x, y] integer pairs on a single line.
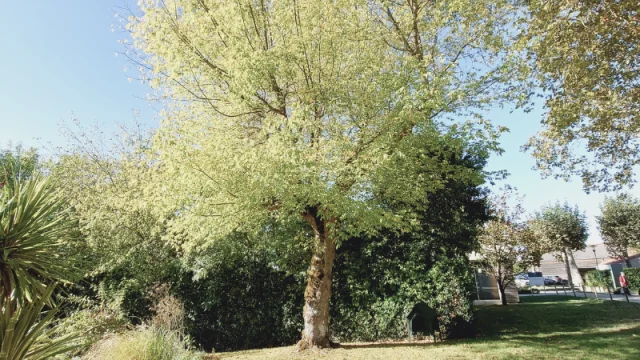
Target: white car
[[522, 281]]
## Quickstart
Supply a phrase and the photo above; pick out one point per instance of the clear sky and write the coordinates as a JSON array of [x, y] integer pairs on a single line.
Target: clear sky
[[58, 62]]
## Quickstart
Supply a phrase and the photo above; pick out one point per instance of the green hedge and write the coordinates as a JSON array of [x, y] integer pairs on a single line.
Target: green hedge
[[595, 278], [633, 276]]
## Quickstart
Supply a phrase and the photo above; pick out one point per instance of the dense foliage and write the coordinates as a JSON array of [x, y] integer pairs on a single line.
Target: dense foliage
[[16, 164], [379, 279], [633, 277], [619, 225], [241, 299], [317, 112], [598, 278], [562, 228], [587, 56]]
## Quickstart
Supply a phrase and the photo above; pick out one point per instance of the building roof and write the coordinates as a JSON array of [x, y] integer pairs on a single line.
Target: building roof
[[586, 254], [620, 260]]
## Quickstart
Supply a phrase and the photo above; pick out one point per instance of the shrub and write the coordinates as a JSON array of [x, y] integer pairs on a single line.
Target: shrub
[[633, 276], [242, 301], [596, 278], [144, 343], [528, 290]]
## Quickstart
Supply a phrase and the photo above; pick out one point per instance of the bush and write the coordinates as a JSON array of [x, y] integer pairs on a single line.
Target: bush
[[528, 290], [241, 299], [596, 278], [633, 276], [145, 343]]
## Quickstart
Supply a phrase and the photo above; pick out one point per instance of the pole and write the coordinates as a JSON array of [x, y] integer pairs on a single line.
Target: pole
[[475, 276], [556, 288], [598, 270]]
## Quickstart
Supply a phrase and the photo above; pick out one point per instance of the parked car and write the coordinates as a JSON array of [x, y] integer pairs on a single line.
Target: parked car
[[522, 280], [555, 280]]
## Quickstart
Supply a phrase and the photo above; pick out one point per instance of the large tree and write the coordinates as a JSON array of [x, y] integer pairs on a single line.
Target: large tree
[[619, 225], [311, 110], [562, 228], [586, 53]]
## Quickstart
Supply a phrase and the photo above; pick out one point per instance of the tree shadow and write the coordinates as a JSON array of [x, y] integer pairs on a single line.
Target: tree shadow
[[418, 343]]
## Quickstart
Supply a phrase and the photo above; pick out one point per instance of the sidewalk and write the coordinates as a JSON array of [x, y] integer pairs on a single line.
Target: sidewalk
[[591, 295]]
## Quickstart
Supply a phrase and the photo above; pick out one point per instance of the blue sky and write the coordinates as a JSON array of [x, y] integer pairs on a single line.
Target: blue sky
[[58, 62]]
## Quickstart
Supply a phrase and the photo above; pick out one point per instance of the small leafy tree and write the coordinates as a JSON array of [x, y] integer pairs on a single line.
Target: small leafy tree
[[564, 229], [506, 243], [619, 225]]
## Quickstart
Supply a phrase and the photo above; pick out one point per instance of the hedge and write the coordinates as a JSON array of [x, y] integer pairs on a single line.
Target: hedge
[[633, 276]]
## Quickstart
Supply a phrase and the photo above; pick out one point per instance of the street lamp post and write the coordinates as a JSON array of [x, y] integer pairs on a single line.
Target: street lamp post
[[599, 273]]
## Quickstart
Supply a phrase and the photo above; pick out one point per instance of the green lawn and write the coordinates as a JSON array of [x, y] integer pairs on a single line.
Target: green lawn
[[541, 327]]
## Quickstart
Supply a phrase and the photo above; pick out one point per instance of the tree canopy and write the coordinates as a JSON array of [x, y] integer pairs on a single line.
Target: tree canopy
[[587, 56], [562, 228], [17, 163], [312, 110], [619, 224]]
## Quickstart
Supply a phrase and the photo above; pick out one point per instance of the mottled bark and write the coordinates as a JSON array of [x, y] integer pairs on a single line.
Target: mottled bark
[[318, 292], [577, 278], [567, 266], [573, 274]]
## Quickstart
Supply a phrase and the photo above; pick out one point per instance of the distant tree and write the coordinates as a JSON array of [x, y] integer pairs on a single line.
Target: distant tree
[[17, 163], [562, 228], [587, 56], [506, 242], [619, 225]]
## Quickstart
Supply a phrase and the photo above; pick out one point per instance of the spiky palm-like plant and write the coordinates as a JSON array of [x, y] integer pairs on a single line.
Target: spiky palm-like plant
[[33, 228], [25, 332]]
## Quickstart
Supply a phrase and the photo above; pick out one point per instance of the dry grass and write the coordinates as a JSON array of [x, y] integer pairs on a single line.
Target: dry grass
[[142, 344]]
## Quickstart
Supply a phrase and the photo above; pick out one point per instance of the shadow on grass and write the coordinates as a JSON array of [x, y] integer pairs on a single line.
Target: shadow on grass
[[548, 327], [386, 345], [546, 298], [604, 344], [548, 316]]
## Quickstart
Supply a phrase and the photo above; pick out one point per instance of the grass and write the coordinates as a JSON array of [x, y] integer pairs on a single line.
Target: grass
[[142, 344], [541, 327]]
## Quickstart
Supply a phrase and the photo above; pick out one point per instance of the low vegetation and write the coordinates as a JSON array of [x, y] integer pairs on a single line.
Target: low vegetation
[[143, 344]]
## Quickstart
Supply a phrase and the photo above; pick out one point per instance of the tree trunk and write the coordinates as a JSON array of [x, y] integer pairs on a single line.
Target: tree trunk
[[567, 266], [318, 292], [626, 258], [577, 278], [503, 296]]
